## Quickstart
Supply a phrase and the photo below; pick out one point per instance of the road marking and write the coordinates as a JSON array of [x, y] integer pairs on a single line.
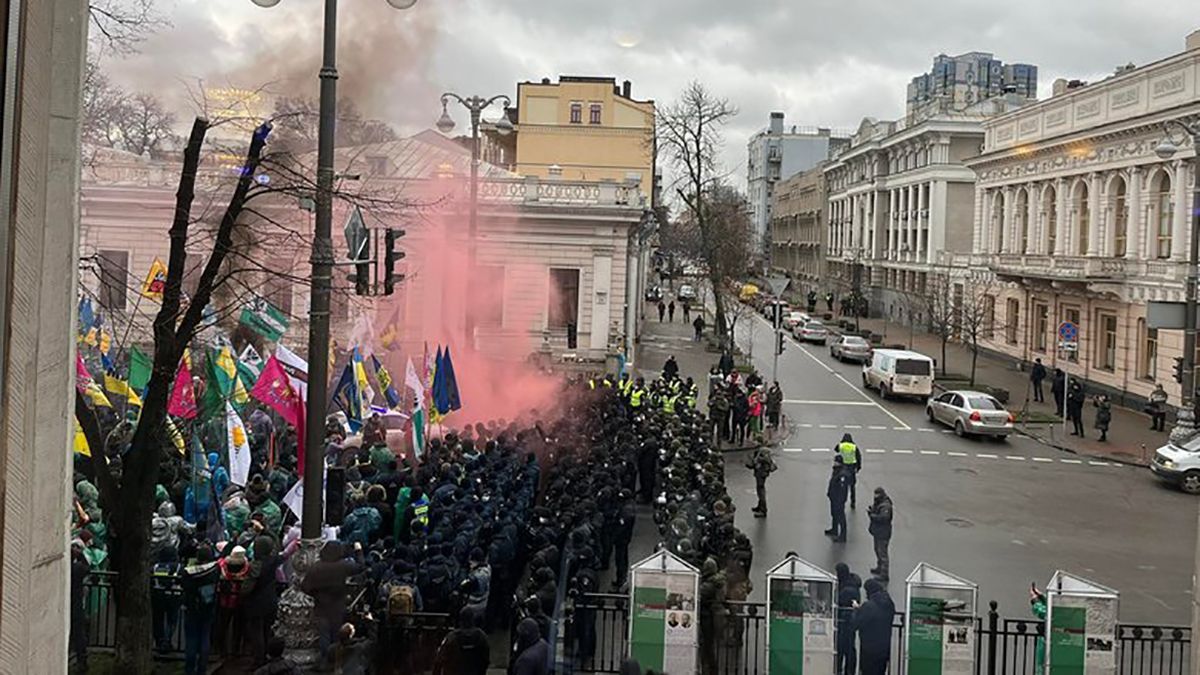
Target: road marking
[[793, 449], [947, 431], [1041, 459], [903, 452], [874, 451], [852, 426], [820, 450], [804, 426], [877, 427], [900, 429], [1090, 463], [928, 431], [931, 452], [828, 426], [1071, 461], [952, 453], [984, 455], [854, 388], [793, 401], [1015, 458]]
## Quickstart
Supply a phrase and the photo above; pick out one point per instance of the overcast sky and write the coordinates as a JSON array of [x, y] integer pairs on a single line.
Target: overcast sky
[[821, 62]]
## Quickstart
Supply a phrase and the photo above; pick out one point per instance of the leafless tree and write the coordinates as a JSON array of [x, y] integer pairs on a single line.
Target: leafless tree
[[976, 315], [298, 122], [689, 137], [939, 310]]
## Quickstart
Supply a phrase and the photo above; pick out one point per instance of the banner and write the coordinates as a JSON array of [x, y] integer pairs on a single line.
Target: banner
[[941, 627], [296, 369], [239, 447], [1082, 620], [140, 367], [664, 615], [265, 319], [183, 396], [156, 281], [800, 618]]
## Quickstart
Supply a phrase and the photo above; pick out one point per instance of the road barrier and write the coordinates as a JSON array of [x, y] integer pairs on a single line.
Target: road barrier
[[1002, 646]]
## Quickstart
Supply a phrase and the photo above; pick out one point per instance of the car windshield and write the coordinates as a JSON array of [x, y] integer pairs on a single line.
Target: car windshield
[[912, 367], [815, 325], [855, 341], [983, 403], [1192, 445]]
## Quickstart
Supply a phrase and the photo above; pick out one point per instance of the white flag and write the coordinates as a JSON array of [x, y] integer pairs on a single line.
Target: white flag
[[413, 381], [252, 361], [239, 447], [296, 369]]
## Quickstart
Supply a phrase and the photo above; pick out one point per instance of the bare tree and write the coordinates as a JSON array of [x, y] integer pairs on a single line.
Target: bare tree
[[977, 315], [297, 125], [119, 25], [145, 126], [689, 137], [939, 310]]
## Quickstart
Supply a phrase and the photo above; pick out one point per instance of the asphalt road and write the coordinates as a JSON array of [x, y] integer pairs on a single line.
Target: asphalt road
[[1002, 514]]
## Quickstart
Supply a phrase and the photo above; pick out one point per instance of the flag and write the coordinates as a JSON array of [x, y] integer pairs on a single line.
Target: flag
[[156, 281], [86, 315], [183, 396], [274, 388], [249, 365], [296, 369], [81, 444], [119, 387], [346, 396], [140, 367], [105, 342], [87, 386], [365, 392], [239, 447], [385, 381], [436, 384], [451, 382], [413, 381], [445, 387], [223, 382], [265, 319], [176, 437]]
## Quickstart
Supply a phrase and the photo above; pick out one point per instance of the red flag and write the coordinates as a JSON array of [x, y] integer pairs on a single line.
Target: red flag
[[83, 378], [183, 396], [274, 388]]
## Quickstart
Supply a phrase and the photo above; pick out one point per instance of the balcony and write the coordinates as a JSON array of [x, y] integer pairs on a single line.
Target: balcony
[[1086, 268]]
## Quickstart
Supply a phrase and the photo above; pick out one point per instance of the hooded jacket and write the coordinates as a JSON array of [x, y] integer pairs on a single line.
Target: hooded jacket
[[873, 621], [465, 650], [326, 581], [534, 652]]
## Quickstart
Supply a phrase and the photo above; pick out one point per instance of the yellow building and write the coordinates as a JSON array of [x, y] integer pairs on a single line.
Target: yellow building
[[584, 128]]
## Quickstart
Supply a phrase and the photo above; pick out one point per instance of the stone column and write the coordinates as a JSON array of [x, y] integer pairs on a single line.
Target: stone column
[[1179, 222], [977, 222], [1135, 234], [911, 228], [1094, 216], [1032, 201], [891, 225], [1061, 235], [922, 220], [1010, 208]]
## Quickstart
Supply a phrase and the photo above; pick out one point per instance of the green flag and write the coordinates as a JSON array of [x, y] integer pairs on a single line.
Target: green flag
[[140, 366], [265, 319]]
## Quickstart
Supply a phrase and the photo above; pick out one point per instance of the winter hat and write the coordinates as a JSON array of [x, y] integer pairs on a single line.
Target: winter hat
[[237, 556]]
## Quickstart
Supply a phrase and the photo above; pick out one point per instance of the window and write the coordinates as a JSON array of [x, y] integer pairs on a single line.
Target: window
[[491, 288], [989, 317], [563, 307], [1148, 351], [114, 279], [1164, 206], [594, 113], [1011, 312], [1041, 326], [1085, 217], [278, 290], [912, 367], [1106, 358], [1120, 220], [1050, 206], [576, 112]]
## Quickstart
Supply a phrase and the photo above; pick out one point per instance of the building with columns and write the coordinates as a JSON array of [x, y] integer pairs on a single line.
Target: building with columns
[[1078, 220], [798, 229], [898, 197]]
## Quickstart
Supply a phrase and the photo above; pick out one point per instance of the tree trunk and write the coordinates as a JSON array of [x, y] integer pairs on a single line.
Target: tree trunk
[[944, 341], [974, 359], [131, 589], [722, 323]]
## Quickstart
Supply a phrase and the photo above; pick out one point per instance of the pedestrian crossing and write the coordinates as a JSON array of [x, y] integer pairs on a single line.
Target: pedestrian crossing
[[965, 455]]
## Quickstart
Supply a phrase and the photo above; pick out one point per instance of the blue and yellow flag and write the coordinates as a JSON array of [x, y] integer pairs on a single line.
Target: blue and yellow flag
[[385, 381]]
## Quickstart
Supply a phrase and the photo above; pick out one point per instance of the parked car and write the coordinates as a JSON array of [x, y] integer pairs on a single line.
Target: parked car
[[1179, 465], [686, 292], [970, 413], [812, 331], [850, 348], [899, 372], [768, 308], [794, 318], [654, 293]]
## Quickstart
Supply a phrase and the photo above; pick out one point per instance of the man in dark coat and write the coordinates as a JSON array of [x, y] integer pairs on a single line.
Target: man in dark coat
[[1058, 389], [880, 528], [670, 369], [849, 593], [465, 649], [260, 599], [837, 492], [873, 623], [1036, 375], [1075, 399], [533, 653], [326, 583]]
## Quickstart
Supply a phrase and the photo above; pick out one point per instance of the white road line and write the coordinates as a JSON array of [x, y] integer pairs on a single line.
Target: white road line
[[819, 450], [1015, 458], [947, 431], [874, 451], [984, 455], [854, 388], [852, 426], [1041, 459], [1071, 461], [827, 426], [901, 429], [903, 452], [793, 449], [952, 453], [931, 452], [928, 431], [875, 426], [1097, 463], [804, 426], [793, 401]]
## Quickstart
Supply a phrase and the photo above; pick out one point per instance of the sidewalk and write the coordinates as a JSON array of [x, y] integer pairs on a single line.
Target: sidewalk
[[1130, 439]]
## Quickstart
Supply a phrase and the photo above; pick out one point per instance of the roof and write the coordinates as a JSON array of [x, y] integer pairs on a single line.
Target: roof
[[903, 353], [423, 155]]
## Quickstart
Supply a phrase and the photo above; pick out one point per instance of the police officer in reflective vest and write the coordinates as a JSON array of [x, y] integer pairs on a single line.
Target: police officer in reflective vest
[[852, 460], [669, 399], [637, 394]]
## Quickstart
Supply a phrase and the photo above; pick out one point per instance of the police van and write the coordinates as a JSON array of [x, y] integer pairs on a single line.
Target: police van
[[899, 372]]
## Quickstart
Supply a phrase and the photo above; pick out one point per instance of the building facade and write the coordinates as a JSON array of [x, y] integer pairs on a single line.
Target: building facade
[[896, 198], [1078, 220], [775, 154], [798, 229], [580, 129], [956, 83]]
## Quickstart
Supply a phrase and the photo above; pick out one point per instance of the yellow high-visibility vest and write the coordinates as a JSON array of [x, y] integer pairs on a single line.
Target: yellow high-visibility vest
[[849, 453], [635, 397]]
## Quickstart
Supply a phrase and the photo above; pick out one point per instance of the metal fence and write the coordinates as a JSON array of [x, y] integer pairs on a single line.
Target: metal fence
[[597, 631]]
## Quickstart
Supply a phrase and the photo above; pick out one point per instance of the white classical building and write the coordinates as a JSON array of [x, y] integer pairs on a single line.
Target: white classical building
[[1078, 220]]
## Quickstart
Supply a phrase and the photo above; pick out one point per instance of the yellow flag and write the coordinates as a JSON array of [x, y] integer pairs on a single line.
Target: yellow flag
[[81, 444], [176, 437], [156, 281], [105, 342], [122, 388]]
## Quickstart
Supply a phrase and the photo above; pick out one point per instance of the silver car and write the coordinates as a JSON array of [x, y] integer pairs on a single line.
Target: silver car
[[850, 348], [813, 331], [970, 412]]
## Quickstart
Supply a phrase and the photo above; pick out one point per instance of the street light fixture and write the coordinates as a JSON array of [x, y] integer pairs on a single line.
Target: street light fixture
[[474, 105]]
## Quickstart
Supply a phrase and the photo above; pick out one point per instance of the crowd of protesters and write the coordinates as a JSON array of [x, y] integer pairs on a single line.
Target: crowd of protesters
[[741, 408]]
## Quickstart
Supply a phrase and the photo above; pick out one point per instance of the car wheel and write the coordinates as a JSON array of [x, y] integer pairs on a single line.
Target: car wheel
[[1191, 482], [866, 383], [1001, 438], [959, 429]]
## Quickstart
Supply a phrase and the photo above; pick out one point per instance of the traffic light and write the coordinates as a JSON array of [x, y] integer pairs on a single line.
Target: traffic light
[[779, 342], [390, 256], [1179, 369], [362, 271]]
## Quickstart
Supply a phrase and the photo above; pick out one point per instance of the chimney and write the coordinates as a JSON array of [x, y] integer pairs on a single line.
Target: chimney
[[776, 127], [626, 88], [545, 80], [1193, 41]]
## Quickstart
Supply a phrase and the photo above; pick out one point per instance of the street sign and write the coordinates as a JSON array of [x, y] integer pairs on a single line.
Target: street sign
[[778, 285], [356, 235], [1068, 332]]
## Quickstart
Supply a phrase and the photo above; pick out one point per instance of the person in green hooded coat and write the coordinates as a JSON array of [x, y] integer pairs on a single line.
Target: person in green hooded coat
[[1037, 605]]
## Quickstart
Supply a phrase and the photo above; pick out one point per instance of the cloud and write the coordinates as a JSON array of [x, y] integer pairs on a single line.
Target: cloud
[[821, 62]]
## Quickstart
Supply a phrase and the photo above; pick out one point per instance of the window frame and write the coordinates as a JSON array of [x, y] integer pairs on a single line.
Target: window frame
[[552, 318], [113, 285], [576, 112], [595, 113]]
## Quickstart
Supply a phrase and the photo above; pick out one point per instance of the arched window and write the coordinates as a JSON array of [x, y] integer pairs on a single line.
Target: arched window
[[1083, 217], [1120, 209], [1050, 208], [1023, 219], [1162, 205]]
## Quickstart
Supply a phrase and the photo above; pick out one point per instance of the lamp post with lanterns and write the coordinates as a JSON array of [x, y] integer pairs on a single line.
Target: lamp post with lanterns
[[297, 624], [475, 105]]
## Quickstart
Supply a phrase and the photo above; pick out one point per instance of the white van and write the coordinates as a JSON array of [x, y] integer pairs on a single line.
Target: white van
[[1179, 465], [899, 372]]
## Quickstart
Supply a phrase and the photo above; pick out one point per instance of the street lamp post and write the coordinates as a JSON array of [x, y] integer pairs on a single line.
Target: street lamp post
[[445, 124], [1185, 425], [296, 607]]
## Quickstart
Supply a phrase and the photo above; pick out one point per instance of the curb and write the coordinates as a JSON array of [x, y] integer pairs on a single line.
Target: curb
[[1072, 451]]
